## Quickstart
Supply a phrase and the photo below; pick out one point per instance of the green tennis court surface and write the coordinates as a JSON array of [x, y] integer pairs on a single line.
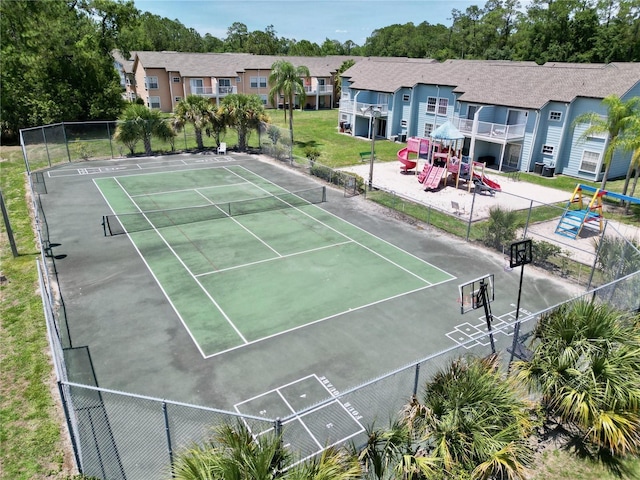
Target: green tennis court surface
[[237, 279]]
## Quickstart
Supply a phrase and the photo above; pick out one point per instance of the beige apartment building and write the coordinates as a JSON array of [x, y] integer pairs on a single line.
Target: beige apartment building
[[162, 79]]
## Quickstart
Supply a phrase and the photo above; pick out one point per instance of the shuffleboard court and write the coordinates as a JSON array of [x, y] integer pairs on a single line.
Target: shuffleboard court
[[238, 279]]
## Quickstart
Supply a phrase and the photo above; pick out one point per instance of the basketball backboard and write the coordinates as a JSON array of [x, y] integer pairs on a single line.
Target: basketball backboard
[[469, 298]]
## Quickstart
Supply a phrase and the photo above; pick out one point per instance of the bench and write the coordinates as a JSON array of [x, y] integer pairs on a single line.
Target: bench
[[365, 156]]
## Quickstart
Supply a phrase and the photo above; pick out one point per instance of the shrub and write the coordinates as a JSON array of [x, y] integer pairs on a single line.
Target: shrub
[[542, 251], [501, 228]]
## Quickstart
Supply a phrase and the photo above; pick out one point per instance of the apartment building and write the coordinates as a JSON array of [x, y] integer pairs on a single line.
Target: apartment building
[[512, 114], [162, 79]]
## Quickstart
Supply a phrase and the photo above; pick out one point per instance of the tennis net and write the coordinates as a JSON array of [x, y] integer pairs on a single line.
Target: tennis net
[[118, 224]]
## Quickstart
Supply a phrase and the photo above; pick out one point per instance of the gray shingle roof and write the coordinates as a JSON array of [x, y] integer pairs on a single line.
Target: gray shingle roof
[[230, 64], [516, 84]]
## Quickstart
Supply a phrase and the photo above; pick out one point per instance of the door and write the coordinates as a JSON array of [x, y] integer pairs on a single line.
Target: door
[[511, 159], [197, 86], [471, 111]]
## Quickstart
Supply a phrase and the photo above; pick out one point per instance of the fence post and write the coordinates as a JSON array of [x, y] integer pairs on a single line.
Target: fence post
[[277, 426], [66, 142], [595, 260], [72, 436], [473, 202], [167, 430], [46, 145], [526, 225], [416, 379], [110, 141]]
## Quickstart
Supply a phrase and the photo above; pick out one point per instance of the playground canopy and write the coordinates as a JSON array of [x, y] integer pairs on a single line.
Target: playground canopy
[[447, 131]]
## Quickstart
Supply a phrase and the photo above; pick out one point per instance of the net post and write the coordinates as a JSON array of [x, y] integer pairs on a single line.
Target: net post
[[324, 193], [105, 224]]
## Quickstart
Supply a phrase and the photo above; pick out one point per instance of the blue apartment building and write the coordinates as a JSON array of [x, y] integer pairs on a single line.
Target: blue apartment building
[[513, 115]]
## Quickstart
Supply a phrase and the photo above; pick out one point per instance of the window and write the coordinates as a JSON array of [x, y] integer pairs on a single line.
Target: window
[[263, 97], [443, 103], [589, 161], [547, 149], [258, 82], [175, 79], [406, 97], [431, 104], [428, 128], [555, 116], [154, 102], [197, 86], [403, 123], [150, 83], [224, 86]]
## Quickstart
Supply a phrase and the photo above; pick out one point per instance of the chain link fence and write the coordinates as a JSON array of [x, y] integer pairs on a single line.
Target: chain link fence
[[49, 145], [120, 435]]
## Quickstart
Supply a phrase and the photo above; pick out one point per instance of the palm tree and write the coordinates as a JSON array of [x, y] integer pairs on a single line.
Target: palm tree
[[193, 109], [396, 452], [137, 122], [217, 124], [501, 227], [630, 142], [331, 464], [586, 366], [618, 112], [235, 453], [244, 114], [474, 420], [286, 80], [472, 423]]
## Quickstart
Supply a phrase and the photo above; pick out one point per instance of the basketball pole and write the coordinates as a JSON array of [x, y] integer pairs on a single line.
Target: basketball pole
[[520, 256], [487, 312]]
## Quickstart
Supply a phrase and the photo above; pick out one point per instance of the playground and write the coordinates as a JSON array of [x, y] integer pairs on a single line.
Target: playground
[[581, 215]]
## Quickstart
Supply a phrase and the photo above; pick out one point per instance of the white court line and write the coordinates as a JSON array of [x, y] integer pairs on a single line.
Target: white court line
[[293, 329], [166, 295], [257, 262], [300, 418], [197, 190], [348, 237], [242, 226], [304, 425], [185, 267], [73, 170]]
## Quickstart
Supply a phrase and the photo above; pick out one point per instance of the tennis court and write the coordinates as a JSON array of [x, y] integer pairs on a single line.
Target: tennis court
[[236, 278], [242, 260]]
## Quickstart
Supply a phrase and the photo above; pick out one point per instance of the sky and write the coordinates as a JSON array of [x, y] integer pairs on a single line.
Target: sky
[[313, 20]]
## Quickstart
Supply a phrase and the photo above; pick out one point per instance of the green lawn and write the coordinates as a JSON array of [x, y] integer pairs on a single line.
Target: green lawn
[[30, 426]]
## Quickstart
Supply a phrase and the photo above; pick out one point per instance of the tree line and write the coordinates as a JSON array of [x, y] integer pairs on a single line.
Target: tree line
[[598, 31], [55, 61]]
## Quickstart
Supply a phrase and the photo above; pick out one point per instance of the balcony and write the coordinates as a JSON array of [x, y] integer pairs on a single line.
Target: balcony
[[498, 132], [318, 89], [209, 92], [348, 106]]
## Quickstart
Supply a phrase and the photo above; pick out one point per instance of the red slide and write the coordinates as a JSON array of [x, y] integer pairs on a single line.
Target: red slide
[[433, 178], [403, 156], [488, 182]]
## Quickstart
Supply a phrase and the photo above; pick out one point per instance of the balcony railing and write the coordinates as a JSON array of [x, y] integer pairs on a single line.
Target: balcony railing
[[221, 91], [498, 131], [321, 89], [349, 106]]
